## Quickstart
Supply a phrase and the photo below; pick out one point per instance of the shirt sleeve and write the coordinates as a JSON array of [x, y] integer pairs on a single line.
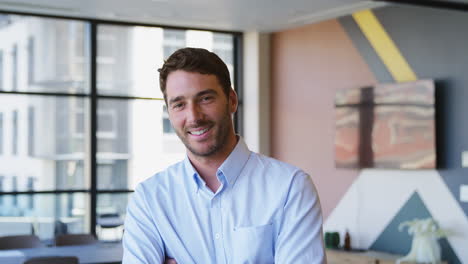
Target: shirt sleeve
[[300, 239], [142, 243]]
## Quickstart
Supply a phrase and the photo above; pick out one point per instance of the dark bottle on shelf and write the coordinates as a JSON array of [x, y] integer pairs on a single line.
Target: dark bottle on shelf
[[347, 241]]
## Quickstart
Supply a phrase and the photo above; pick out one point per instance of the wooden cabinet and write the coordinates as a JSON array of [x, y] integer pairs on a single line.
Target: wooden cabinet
[[367, 257]]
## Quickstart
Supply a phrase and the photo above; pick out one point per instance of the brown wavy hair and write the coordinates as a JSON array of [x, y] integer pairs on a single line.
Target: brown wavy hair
[[195, 60]]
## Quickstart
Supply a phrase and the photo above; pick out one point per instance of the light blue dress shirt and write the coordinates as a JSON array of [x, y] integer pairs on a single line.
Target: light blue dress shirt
[[265, 211]]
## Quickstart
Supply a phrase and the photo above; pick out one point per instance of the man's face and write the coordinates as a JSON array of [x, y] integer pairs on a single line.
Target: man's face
[[200, 112]]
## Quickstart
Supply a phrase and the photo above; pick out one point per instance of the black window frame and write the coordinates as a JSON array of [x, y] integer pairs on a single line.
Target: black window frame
[[93, 96]]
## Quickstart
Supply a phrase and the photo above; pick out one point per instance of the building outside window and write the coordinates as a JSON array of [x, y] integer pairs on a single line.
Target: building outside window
[[167, 126], [31, 136], [1, 133], [14, 132], [31, 61], [1, 69], [46, 114], [14, 187], [2, 178], [30, 187], [14, 67], [222, 45], [173, 40]]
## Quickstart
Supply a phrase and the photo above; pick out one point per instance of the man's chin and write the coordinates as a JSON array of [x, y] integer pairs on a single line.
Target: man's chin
[[202, 151]]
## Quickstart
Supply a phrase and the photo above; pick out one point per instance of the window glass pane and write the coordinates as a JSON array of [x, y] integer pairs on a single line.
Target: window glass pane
[[224, 48], [129, 56], [44, 142], [44, 54], [167, 126], [110, 211], [127, 60], [44, 214], [132, 145], [173, 40]]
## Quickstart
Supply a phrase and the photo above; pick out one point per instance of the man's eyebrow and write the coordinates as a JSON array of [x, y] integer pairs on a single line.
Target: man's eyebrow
[[207, 91], [199, 94], [176, 99]]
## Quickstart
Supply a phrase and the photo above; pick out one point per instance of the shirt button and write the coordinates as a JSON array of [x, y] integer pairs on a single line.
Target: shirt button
[[217, 235]]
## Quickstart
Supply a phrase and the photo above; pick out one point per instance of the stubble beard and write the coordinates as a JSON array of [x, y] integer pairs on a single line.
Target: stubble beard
[[224, 126]]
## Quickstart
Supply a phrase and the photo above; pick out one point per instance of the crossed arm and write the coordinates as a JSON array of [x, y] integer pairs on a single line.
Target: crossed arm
[[299, 239], [142, 241]]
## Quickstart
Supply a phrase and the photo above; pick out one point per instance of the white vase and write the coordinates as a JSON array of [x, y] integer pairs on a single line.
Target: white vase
[[425, 248]]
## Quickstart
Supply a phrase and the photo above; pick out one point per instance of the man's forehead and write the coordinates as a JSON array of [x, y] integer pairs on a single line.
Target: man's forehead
[[199, 93], [181, 75], [187, 84]]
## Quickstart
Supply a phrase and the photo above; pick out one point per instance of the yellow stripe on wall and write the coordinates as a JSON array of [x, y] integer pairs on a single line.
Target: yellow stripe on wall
[[384, 46]]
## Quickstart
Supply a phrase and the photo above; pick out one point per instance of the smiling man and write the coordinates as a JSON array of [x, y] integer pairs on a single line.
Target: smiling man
[[222, 203]]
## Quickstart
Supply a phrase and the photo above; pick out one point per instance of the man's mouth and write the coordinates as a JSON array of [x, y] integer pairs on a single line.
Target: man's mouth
[[199, 132]]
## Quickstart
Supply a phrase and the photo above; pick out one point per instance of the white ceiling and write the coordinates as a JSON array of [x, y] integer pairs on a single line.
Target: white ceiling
[[233, 15]]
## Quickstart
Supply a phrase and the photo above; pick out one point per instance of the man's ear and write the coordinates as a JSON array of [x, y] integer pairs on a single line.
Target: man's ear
[[233, 101]]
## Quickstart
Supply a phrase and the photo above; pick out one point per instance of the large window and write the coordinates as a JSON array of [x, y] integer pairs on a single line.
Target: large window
[[81, 129]]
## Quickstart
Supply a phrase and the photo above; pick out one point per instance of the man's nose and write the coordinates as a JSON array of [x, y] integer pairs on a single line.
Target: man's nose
[[194, 113]]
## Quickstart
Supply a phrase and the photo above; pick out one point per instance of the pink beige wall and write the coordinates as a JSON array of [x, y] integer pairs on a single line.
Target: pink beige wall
[[308, 65]]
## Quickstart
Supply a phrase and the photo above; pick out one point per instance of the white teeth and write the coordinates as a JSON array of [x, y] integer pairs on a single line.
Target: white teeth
[[199, 132]]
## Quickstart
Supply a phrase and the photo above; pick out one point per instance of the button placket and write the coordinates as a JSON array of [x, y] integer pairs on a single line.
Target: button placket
[[217, 229]]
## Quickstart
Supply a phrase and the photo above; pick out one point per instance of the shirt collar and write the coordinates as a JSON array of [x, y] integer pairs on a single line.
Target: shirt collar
[[230, 168], [235, 162], [190, 171]]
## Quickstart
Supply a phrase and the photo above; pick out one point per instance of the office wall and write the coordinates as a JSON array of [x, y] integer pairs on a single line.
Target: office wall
[[309, 64]]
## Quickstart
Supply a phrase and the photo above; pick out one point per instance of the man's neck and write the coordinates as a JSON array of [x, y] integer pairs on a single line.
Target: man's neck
[[208, 166]]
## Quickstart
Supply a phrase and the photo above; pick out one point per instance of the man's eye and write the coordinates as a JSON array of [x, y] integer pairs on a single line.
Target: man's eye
[[207, 98], [177, 106]]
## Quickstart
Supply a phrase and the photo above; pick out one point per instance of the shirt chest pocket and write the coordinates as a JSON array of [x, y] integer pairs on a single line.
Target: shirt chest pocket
[[253, 244]]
